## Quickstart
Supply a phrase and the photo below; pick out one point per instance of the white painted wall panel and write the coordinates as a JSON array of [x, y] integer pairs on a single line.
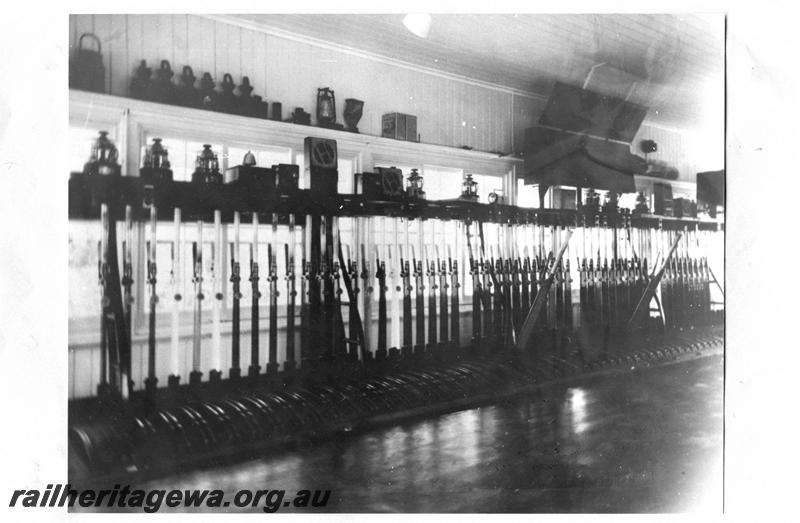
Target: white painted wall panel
[[180, 44], [681, 150], [202, 42], [118, 66], [526, 113], [135, 51], [290, 72], [153, 49]]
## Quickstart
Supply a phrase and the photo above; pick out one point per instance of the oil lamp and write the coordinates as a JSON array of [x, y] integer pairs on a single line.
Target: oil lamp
[[593, 201], [414, 185], [103, 158], [157, 155], [469, 188], [155, 163], [641, 204], [611, 204], [207, 167], [326, 107]]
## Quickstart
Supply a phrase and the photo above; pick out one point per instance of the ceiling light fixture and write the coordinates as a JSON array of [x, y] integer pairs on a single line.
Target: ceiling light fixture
[[418, 23]]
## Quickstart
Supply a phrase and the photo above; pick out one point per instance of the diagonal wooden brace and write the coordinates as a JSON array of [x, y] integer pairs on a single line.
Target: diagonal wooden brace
[[719, 285], [652, 285], [526, 330]]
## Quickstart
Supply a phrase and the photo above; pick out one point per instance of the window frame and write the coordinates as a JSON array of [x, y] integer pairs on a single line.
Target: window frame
[[133, 121]]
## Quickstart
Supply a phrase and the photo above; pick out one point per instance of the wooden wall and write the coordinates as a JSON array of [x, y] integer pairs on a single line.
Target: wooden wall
[[690, 153], [449, 111]]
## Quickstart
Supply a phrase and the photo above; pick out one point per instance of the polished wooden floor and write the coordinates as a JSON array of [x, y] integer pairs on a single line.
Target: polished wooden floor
[[649, 441]]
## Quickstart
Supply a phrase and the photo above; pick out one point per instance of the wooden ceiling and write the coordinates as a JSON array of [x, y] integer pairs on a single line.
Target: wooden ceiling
[[672, 64]]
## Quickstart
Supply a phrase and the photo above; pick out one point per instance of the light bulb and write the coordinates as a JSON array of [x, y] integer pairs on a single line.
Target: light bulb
[[418, 23]]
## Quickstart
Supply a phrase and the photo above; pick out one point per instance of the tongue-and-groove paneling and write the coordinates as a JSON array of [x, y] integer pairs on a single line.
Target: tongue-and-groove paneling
[[450, 111]]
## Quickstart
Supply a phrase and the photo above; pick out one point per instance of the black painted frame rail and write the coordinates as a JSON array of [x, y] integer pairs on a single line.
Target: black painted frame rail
[[198, 202]]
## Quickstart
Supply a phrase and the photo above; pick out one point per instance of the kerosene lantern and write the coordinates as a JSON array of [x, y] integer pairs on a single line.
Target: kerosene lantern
[[155, 163], [207, 167], [611, 204], [414, 185], [103, 158], [469, 189], [326, 107], [593, 201]]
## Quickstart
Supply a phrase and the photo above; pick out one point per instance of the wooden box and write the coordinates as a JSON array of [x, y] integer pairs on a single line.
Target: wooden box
[[257, 177], [399, 126]]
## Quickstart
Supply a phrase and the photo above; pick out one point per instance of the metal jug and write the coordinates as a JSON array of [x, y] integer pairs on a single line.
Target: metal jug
[[246, 104], [226, 102], [86, 69], [208, 96], [162, 90], [140, 84], [186, 93]]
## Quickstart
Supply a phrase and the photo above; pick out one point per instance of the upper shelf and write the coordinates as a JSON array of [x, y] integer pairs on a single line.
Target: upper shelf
[[198, 202], [156, 118]]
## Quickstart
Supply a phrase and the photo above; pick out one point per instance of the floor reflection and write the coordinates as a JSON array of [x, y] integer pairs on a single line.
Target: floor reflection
[[650, 442], [576, 410]]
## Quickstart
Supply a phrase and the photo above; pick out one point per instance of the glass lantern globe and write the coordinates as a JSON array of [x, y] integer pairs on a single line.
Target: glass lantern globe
[[103, 157], [414, 185], [156, 156], [469, 188], [155, 163], [207, 167]]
